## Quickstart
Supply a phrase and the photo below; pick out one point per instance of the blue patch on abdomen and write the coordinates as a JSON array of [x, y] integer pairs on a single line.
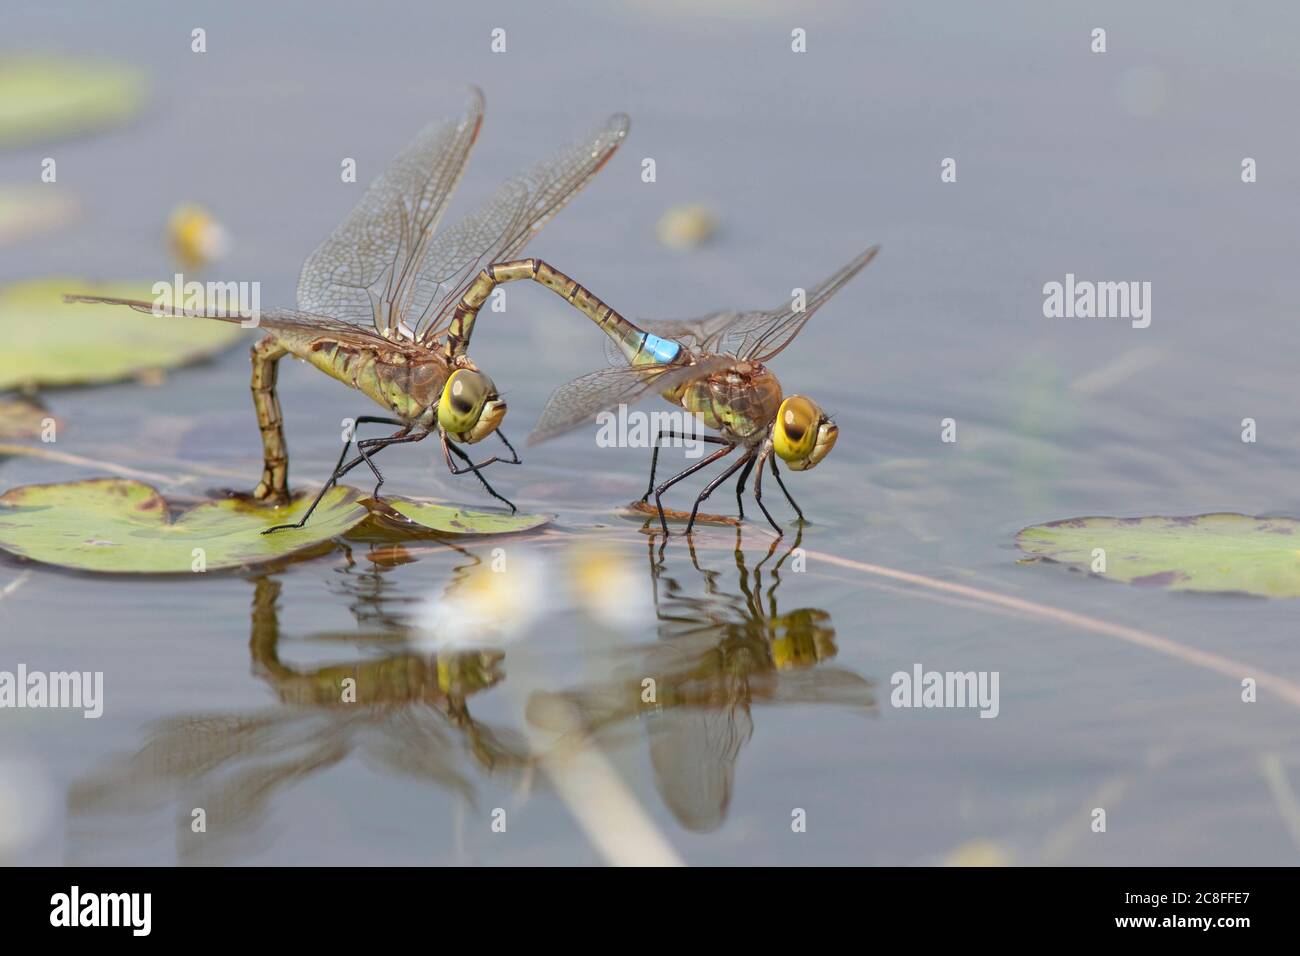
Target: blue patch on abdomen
[[662, 351]]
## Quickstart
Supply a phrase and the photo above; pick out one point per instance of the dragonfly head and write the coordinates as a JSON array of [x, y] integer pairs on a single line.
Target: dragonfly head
[[470, 408], [802, 434]]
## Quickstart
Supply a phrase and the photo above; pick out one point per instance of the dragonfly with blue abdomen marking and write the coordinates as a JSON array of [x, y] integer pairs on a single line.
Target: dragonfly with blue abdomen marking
[[375, 300], [714, 366]]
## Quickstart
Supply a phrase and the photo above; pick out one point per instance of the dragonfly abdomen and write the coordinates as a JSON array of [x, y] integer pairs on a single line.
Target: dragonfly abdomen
[[639, 347], [409, 388]]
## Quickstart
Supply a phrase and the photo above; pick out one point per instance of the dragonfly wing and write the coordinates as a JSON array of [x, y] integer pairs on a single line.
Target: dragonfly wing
[[761, 335], [702, 333], [498, 230], [581, 400], [756, 335], [292, 320], [283, 319], [272, 320], [366, 261]]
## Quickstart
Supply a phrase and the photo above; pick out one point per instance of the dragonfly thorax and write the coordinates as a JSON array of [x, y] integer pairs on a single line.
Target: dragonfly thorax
[[740, 402]]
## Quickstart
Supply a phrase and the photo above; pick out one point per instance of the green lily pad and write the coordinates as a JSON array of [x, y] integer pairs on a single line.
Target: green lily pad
[[1214, 552], [450, 520], [51, 342], [45, 98], [118, 526]]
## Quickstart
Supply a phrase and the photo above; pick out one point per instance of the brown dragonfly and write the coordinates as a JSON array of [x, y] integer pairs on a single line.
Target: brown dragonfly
[[379, 301], [713, 366]]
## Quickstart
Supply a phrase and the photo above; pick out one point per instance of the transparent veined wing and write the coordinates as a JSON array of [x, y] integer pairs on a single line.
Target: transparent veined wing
[[498, 230], [274, 319], [757, 335], [581, 400], [358, 274]]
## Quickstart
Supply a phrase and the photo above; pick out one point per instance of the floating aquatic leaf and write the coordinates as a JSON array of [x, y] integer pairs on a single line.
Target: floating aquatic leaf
[[31, 210], [1214, 552], [451, 520], [638, 509], [119, 526], [44, 98], [51, 342], [21, 418]]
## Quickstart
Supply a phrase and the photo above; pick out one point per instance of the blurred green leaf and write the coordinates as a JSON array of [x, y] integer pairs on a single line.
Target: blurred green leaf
[[44, 98], [1214, 552], [51, 342], [20, 418]]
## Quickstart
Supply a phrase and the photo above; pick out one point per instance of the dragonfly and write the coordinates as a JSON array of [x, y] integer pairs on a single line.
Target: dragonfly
[[379, 301], [723, 652], [714, 366]]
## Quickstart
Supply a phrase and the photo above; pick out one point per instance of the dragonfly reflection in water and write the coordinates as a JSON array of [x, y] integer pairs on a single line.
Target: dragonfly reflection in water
[[375, 300], [410, 717], [712, 366], [718, 654]]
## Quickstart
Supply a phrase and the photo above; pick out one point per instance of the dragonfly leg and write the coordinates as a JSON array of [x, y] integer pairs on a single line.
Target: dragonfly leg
[[654, 458], [274, 486], [514, 455], [364, 449], [746, 462], [449, 449], [797, 509], [740, 485], [362, 420], [342, 468], [512, 460], [758, 492], [721, 453]]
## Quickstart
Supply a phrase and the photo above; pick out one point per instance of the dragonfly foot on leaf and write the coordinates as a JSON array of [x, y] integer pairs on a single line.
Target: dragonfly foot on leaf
[[365, 448]]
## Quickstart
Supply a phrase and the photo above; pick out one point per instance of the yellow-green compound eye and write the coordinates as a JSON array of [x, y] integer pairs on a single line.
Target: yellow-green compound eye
[[795, 433], [462, 400]]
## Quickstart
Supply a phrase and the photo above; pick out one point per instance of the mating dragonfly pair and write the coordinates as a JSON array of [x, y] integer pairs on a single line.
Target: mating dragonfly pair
[[387, 305]]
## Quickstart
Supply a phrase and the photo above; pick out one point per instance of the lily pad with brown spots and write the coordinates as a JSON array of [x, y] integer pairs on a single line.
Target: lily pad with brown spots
[[1212, 552], [120, 526], [447, 519]]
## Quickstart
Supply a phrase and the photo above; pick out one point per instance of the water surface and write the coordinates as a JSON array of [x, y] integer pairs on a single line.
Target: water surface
[[773, 682]]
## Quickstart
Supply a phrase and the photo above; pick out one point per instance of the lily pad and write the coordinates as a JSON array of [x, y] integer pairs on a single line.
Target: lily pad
[[45, 98], [451, 520], [51, 342], [21, 418], [119, 526], [1213, 552]]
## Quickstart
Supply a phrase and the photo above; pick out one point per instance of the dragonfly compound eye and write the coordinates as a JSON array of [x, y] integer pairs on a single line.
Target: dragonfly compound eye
[[802, 435], [470, 408], [795, 432]]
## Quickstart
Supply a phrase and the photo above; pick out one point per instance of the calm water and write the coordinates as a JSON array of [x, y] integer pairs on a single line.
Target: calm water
[[773, 682]]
